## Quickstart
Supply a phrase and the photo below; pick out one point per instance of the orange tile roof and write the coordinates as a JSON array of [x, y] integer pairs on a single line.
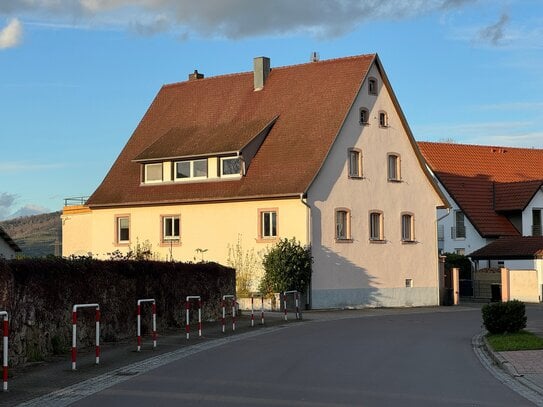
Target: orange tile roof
[[471, 174], [511, 247], [310, 100]]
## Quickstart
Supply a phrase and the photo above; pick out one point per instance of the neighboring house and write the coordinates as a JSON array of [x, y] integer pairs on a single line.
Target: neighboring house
[[8, 248], [319, 151], [493, 191]]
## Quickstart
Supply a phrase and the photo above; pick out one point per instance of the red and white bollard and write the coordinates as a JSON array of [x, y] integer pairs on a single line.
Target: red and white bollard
[[253, 308], [74, 332], [153, 304], [224, 297], [187, 326], [5, 332], [297, 300]]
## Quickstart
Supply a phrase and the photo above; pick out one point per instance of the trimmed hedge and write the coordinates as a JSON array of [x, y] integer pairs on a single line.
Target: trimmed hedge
[[504, 317], [39, 295]]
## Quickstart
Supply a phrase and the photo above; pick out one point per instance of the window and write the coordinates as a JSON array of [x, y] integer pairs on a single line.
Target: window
[[343, 227], [153, 172], [536, 222], [190, 169], [383, 119], [460, 251], [408, 283], [459, 230], [408, 228], [364, 115], [393, 171], [170, 228], [268, 224], [376, 226], [372, 86], [355, 163], [123, 229], [230, 166]]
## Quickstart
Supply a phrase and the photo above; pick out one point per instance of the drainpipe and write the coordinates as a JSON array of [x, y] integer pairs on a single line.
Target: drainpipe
[[308, 238]]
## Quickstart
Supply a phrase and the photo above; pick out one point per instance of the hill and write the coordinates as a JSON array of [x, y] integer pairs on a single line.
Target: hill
[[38, 235]]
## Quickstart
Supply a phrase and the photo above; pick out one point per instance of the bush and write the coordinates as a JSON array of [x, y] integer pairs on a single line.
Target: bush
[[287, 266], [504, 317]]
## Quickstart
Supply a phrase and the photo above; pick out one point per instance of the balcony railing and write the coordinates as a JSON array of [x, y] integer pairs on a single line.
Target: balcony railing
[[536, 230], [458, 232], [77, 200]]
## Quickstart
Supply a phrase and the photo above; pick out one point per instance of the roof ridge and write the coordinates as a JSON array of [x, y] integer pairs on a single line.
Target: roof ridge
[[482, 145], [228, 75]]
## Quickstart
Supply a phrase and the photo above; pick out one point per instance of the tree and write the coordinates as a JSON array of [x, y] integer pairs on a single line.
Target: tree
[[287, 266]]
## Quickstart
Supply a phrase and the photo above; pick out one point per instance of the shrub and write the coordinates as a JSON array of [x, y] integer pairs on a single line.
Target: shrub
[[502, 317], [287, 266]]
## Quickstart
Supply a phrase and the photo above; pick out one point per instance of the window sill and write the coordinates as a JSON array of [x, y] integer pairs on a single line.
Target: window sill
[[170, 242], [395, 181], [378, 241], [267, 239], [408, 242], [356, 177], [122, 244], [345, 240], [364, 123]]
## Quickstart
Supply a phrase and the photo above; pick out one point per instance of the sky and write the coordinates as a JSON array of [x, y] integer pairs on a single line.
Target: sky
[[76, 76]]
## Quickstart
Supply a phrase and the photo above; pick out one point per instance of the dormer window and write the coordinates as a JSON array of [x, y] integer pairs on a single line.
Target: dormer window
[[185, 170], [230, 166], [372, 86], [153, 173], [364, 115]]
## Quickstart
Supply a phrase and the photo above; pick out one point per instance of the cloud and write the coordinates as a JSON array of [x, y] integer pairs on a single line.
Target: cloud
[[7, 201], [494, 33], [11, 35], [231, 19]]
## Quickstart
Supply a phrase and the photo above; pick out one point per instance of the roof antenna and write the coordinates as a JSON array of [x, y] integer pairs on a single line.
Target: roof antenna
[[314, 57]]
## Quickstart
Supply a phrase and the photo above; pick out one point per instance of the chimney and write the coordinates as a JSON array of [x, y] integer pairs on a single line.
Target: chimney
[[196, 75], [261, 66]]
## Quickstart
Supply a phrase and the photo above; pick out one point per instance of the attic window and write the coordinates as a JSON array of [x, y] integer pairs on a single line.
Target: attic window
[[153, 173], [364, 115], [186, 170], [383, 119], [230, 166], [372, 86]]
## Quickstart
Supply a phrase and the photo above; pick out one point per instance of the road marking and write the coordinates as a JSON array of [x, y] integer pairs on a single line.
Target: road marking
[[78, 391]]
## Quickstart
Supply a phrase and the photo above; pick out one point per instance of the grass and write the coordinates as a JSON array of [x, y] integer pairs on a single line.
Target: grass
[[522, 340]]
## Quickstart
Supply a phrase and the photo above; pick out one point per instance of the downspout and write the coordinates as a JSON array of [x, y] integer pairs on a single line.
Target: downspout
[[308, 240]]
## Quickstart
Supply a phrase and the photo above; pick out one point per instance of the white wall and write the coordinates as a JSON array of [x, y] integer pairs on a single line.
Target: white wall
[[535, 203], [473, 240]]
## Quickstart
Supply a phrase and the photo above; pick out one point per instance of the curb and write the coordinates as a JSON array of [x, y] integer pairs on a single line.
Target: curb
[[517, 381]]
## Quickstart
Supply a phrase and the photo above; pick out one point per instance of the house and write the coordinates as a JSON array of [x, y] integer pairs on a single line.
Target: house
[[496, 196], [319, 151], [8, 248]]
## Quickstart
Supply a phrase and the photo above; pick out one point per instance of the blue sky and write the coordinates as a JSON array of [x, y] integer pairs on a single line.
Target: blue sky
[[76, 76]]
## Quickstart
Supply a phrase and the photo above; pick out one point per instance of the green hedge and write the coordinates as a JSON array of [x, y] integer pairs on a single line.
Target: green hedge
[[504, 317], [39, 295]]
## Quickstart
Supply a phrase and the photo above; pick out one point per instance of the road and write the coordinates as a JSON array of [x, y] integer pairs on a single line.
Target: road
[[411, 359]]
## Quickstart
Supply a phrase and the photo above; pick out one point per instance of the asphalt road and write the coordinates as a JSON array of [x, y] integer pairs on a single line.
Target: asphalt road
[[420, 359]]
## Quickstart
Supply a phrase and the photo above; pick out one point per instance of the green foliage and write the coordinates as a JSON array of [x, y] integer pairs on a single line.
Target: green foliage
[[522, 340], [459, 261], [502, 317], [142, 251], [246, 265], [287, 267]]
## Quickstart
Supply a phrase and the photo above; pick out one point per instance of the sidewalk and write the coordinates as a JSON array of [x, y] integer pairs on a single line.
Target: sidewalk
[[526, 366]]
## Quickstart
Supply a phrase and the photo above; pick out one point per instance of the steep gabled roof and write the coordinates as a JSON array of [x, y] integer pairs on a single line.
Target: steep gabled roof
[[310, 102], [7, 238], [472, 174], [511, 247]]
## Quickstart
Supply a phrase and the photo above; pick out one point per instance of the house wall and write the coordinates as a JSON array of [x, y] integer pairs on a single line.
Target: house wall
[[524, 285], [212, 227], [535, 203], [473, 240], [5, 250], [361, 273]]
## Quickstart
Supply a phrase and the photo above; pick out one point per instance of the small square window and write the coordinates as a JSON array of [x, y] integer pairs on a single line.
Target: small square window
[[153, 172], [408, 283], [364, 115], [230, 166], [182, 169]]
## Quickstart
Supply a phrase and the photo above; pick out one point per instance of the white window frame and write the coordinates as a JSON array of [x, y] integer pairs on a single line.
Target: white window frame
[[456, 235], [408, 227], [268, 234], [379, 236], [173, 236], [237, 175], [345, 234], [358, 153], [118, 227], [191, 170], [396, 175], [145, 176]]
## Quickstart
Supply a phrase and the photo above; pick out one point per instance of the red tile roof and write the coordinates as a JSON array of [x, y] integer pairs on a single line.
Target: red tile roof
[[310, 100], [511, 247], [470, 174], [510, 196]]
